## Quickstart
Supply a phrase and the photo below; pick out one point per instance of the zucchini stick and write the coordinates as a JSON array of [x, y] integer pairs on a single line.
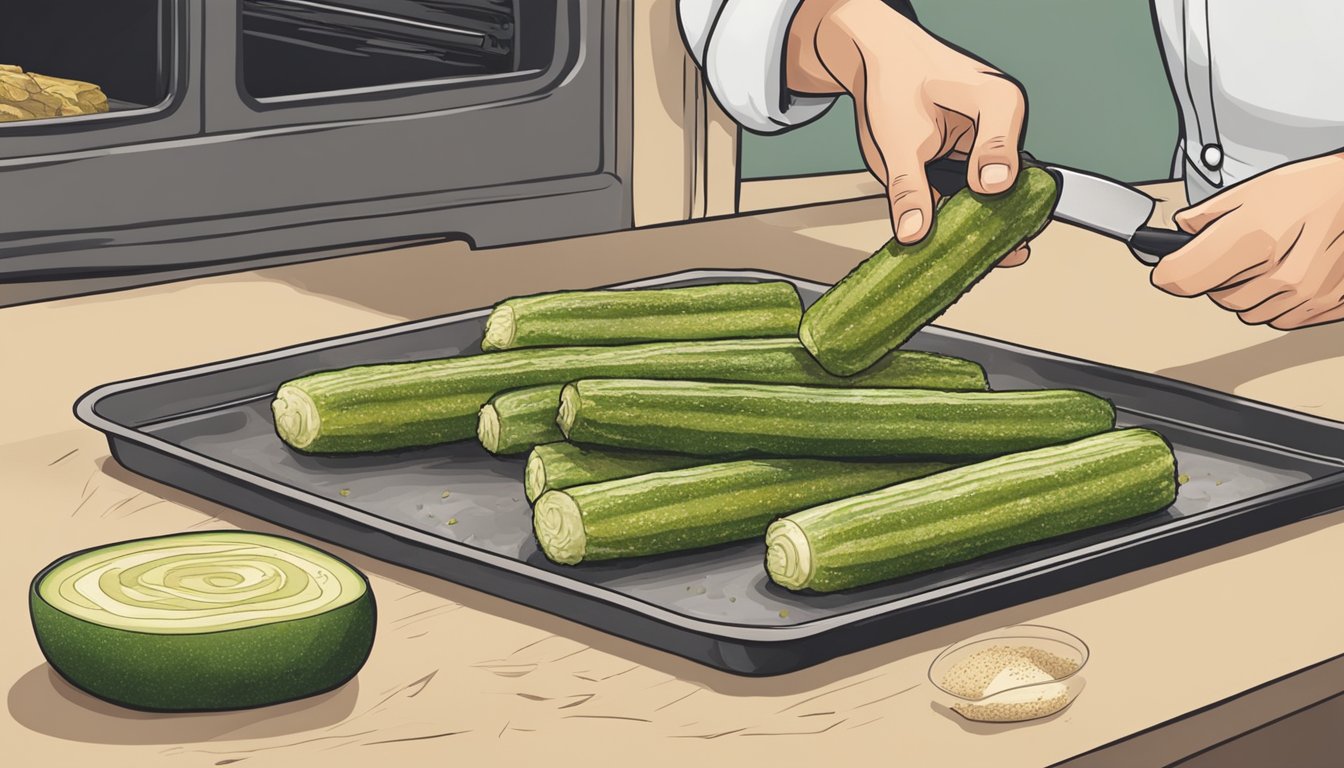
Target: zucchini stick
[[573, 318], [556, 466], [698, 506], [762, 419], [518, 420], [971, 511], [896, 291]]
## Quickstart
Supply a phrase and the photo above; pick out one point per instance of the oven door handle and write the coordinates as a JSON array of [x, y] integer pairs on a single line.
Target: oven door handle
[[332, 8]]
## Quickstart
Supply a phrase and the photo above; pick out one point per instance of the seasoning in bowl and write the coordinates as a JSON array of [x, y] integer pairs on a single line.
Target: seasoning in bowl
[[1015, 674]]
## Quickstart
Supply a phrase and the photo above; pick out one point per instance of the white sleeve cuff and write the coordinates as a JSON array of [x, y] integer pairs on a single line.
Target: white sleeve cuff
[[740, 46]]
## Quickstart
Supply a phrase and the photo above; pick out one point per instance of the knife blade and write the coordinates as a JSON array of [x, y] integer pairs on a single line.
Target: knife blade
[[1094, 202]]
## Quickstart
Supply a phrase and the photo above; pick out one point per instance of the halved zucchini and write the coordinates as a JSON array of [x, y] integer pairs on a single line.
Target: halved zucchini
[[203, 621]]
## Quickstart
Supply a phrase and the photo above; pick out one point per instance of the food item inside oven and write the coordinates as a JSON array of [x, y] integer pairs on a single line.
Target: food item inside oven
[[31, 96]]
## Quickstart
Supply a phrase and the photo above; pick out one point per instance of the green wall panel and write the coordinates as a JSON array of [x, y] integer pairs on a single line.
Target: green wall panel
[[1097, 93]]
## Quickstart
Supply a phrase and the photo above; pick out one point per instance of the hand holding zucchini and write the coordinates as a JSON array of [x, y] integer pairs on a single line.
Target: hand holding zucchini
[[761, 419], [591, 318], [886, 299], [971, 511], [698, 506]]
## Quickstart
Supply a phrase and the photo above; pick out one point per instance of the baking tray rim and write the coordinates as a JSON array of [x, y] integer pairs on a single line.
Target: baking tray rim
[[85, 410]]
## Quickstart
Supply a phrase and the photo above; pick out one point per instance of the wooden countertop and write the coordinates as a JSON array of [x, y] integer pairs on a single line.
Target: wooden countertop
[[457, 675]]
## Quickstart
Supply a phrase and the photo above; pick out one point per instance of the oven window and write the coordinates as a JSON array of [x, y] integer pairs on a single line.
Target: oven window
[[296, 48], [67, 58]]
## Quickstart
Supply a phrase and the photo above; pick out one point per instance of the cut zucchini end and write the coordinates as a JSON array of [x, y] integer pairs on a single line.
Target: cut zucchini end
[[569, 408], [487, 428], [558, 524], [788, 555], [297, 418], [534, 477], [193, 583], [500, 329], [203, 621]]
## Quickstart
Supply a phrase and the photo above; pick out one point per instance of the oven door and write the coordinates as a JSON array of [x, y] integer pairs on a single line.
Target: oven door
[[332, 126], [372, 108]]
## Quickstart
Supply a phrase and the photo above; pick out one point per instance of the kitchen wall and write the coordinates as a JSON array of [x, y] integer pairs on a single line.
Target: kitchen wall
[[1097, 92]]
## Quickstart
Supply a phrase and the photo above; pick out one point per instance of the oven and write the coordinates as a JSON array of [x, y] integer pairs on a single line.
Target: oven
[[243, 130]]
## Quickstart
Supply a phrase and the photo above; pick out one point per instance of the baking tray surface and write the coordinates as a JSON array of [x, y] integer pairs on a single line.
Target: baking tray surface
[[459, 513]]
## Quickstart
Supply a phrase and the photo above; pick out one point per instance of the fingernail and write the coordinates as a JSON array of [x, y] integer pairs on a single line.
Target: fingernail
[[909, 225], [994, 174]]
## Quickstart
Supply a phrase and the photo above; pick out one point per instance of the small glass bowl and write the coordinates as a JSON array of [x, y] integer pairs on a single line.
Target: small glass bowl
[[1019, 703]]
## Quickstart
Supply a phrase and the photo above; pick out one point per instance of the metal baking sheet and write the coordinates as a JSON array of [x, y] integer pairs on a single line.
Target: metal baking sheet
[[458, 513]]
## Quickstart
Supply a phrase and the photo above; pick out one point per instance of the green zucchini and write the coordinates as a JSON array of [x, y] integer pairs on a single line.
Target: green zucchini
[[556, 466], [401, 405], [895, 292], [575, 318], [203, 621], [764, 419], [519, 420], [697, 506], [971, 511]]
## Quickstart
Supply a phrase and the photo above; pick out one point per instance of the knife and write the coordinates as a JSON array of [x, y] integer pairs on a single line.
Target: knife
[[1105, 206]]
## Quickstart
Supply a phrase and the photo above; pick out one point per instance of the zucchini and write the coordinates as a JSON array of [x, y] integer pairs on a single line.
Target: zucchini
[[520, 419], [574, 318], [887, 298], [555, 466], [697, 506], [401, 405], [203, 621], [763, 419], [971, 511]]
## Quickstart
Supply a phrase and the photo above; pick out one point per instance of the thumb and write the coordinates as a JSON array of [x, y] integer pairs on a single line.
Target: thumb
[[1197, 217], [911, 200]]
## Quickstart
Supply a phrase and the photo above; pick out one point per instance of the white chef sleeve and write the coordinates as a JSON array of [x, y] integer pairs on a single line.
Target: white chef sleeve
[[739, 44]]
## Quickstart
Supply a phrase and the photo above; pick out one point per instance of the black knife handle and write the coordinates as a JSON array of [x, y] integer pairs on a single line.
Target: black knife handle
[[948, 175], [1150, 244]]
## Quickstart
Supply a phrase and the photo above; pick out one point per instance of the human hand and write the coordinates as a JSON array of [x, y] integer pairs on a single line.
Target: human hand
[[1270, 249], [916, 100]]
